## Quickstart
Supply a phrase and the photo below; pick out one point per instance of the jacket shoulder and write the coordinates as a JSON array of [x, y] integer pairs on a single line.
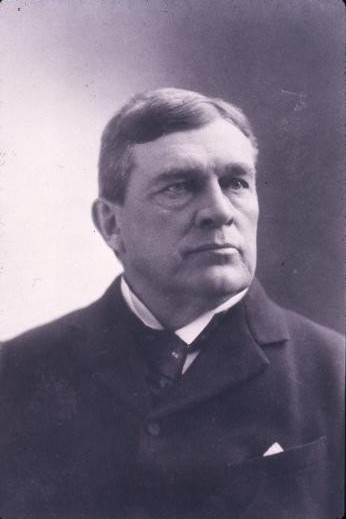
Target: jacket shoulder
[[272, 323], [295, 342], [48, 333], [315, 355], [39, 349], [56, 339], [316, 336]]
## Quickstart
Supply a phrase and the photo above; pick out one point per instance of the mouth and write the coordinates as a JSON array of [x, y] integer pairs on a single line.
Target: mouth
[[218, 248]]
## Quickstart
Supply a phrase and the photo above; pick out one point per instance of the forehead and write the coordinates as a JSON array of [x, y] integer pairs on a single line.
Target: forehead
[[215, 145]]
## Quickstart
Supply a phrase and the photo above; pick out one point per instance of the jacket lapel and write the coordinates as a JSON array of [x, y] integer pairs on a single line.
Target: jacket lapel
[[266, 320], [109, 355], [234, 353]]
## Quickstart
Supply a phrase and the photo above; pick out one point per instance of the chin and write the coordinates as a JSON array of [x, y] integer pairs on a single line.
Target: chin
[[220, 284]]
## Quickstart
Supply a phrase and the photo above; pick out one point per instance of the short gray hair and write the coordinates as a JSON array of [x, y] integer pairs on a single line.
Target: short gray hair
[[148, 116]]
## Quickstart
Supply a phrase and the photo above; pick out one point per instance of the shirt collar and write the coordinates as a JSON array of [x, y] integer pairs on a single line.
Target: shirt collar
[[187, 333]]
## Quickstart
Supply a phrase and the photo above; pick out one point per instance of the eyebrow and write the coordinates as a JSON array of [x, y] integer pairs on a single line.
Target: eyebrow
[[191, 171], [239, 169], [176, 173]]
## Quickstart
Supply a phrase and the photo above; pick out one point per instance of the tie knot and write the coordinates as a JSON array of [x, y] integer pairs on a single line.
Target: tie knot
[[166, 354]]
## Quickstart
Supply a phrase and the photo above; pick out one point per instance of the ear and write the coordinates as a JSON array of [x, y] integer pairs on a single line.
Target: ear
[[105, 216]]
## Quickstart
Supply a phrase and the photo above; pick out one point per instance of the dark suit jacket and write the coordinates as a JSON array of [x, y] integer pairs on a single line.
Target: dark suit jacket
[[79, 437]]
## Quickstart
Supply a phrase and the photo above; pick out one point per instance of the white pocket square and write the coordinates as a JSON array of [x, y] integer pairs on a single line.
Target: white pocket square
[[274, 449]]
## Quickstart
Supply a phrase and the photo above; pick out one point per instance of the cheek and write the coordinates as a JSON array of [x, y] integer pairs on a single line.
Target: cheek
[[155, 232], [251, 212], [247, 220]]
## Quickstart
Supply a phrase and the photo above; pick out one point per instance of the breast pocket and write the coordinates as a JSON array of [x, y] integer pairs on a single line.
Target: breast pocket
[[288, 484], [293, 459]]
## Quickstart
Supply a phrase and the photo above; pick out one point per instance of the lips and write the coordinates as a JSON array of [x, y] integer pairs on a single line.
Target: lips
[[212, 247]]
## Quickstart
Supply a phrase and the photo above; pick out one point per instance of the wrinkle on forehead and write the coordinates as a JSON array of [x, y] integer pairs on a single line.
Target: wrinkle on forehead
[[217, 147], [225, 132]]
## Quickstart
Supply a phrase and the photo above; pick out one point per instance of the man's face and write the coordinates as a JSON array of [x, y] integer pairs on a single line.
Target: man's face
[[188, 224]]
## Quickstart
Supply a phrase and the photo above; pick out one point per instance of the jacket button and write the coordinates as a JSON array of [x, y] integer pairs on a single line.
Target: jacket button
[[164, 383], [154, 428]]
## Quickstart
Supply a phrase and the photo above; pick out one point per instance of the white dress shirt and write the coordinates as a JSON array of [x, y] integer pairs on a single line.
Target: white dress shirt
[[187, 333]]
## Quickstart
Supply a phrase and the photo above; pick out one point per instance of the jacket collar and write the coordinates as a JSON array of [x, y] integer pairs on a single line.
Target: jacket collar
[[108, 354], [265, 319], [233, 354]]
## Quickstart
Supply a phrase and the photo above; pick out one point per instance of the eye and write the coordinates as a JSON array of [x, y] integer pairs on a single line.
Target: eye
[[234, 183], [176, 193], [177, 189]]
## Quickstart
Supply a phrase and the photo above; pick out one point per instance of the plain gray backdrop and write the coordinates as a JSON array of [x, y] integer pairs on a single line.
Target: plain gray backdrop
[[279, 60]]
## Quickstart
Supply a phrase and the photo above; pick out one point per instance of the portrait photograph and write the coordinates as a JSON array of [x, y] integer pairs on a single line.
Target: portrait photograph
[[172, 259]]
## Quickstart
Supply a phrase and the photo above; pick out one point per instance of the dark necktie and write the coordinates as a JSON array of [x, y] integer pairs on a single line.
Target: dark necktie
[[166, 354]]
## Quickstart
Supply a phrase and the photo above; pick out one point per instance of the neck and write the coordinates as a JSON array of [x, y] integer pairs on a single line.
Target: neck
[[175, 312]]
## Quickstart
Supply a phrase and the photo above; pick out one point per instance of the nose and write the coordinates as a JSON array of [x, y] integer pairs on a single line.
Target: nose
[[216, 208]]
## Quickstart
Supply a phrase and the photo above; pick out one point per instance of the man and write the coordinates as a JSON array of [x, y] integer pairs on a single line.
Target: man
[[184, 392]]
